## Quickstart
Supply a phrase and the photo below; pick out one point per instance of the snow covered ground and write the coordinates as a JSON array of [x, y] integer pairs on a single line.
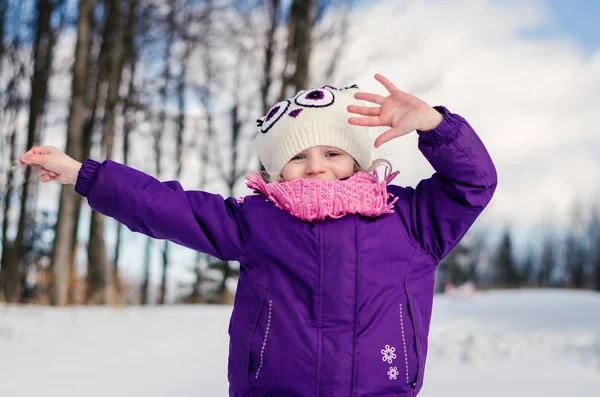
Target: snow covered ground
[[518, 344]]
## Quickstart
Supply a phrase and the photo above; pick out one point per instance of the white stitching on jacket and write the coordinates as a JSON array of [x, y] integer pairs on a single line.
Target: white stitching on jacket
[[262, 350]]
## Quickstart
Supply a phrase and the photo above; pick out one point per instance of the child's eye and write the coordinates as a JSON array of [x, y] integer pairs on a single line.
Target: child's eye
[[298, 157], [332, 154]]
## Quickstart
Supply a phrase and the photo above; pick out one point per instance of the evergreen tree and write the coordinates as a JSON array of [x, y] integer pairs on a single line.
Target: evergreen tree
[[504, 264]]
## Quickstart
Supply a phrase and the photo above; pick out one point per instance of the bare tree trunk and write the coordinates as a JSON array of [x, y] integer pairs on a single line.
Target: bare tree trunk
[[69, 201], [547, 262], [42, 56], [9, 271], [231, 181], [575, 261], [129, 60], [288, 62], [180, 130], [166, 75], [99, 275], [144, 299], [96, 249], [593, 232], [269, 52], [297, 56], [96, 75], [342, 34], [144, 293], [101, 288], [303, 13], [144, 288], [7, 193], [207, 102]]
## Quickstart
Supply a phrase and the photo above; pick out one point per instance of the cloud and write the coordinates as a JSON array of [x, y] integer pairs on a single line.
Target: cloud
[[533, 100]]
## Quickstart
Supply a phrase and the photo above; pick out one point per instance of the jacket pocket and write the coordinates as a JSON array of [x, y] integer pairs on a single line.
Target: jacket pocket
[[244, 321], [260, 340], [386, 357], [417, 323]]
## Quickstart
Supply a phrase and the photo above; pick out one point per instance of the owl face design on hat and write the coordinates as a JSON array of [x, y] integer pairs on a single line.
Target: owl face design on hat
[[315, 98], [314, 117]]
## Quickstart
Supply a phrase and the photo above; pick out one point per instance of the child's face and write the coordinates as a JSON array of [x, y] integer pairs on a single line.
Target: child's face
[[319, 162]]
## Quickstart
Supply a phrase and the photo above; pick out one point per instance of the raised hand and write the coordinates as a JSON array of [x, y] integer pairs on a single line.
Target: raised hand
[[52, 164], [400, 111]]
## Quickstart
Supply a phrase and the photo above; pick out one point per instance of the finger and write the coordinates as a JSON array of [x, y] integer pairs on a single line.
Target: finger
[[364, 110], [386, 83], [385, 137], [44, 171], [33, 158], [45, 178], [366, 96], [36, 169], [365, 121], [38, 150], [44, 149], [23, 156], [27, 153]]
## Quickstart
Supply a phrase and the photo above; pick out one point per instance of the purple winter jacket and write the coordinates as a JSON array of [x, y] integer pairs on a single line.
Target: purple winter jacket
[[340, 307]]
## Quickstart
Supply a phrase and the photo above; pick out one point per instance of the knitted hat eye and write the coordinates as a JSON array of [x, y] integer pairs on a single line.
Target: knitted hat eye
[[274, 114], [315, 98]]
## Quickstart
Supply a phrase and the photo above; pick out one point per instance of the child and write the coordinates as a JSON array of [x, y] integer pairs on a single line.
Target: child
[[336, 268]]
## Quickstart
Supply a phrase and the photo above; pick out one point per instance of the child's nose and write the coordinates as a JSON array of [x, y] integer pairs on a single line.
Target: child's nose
[[315, 167]]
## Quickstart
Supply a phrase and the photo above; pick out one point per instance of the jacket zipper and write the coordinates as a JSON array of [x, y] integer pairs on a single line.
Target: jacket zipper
[[320, 308], [356, 294]]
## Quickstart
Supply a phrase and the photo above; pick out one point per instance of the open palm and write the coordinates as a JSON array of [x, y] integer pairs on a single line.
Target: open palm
[[400, 111]]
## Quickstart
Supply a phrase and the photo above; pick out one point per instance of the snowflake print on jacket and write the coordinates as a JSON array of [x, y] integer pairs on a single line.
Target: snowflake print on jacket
[[393, 373], [388, 354]]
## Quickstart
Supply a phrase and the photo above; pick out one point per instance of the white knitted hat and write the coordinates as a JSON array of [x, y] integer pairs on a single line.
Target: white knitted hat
[[316, 117]]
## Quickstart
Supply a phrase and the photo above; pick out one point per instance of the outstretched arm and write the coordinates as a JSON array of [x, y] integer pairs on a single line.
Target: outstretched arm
[[442, 208], [198, 220]]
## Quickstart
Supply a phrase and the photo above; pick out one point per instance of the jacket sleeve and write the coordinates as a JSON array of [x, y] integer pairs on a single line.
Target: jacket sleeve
[[443, 207], [163, 210]]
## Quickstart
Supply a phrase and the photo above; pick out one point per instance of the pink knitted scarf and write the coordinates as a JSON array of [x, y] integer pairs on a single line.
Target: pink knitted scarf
[[311, 200]]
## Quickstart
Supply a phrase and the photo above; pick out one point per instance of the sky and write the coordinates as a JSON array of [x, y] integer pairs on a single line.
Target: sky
[[577, 19]]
